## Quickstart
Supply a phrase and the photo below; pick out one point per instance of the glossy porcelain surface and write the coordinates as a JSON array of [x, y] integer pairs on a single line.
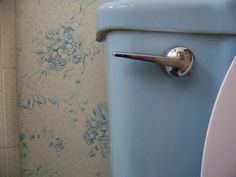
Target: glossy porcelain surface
[[219, 153], [211, 16], [159, 123]]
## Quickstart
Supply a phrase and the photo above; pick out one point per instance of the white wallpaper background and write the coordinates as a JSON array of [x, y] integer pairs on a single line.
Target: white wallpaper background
[[61, 90]]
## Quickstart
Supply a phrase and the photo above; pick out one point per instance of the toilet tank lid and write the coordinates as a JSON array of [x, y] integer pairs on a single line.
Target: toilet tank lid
[[184, 16]]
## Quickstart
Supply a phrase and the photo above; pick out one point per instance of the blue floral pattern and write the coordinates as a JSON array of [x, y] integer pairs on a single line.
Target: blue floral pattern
[[64, 47], [97, 132], [54, 142], [59, 70]]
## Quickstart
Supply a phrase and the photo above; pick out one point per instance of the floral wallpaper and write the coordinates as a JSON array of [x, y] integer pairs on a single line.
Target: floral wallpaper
[[97, 132], [61, 88]]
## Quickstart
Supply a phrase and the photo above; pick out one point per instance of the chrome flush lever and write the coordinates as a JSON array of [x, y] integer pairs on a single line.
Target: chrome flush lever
[[178, 61]]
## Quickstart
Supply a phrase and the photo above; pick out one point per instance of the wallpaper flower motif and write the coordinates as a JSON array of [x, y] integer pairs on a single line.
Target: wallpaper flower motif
[[64, 47], [55, 142], [97, 132]]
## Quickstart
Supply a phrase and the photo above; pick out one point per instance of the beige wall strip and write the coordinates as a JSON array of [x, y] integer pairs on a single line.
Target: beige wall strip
[[9, 145]]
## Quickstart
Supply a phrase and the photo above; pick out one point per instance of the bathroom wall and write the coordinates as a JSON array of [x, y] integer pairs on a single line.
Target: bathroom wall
[[9, 144], [61, 92]]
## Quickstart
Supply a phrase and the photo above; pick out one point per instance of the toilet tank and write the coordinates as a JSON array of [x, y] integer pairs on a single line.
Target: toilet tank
[[158, 122]]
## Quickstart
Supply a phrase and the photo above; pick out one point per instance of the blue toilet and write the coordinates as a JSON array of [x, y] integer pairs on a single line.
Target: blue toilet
[[166, 60]]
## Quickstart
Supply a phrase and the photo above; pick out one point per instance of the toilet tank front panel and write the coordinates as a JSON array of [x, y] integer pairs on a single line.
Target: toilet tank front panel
[[158, 123]]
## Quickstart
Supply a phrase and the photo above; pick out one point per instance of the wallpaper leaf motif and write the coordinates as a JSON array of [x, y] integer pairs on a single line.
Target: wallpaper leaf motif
[[97, 132], [41, 172], [25, 151], [37, 100]]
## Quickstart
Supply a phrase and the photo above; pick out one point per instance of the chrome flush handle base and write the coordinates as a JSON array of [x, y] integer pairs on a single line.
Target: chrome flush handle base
[[177, 62]]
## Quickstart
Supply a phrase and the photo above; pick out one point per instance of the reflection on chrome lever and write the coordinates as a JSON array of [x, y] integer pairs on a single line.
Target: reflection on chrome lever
[[178, 61]]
